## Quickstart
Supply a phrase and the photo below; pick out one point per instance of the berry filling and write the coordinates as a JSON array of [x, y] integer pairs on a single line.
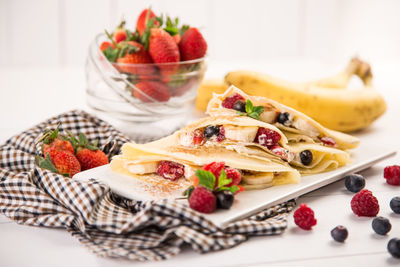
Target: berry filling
[[221, 134], [198, 137], [328, 141], [229, 102], [267, 137], [170, 170]]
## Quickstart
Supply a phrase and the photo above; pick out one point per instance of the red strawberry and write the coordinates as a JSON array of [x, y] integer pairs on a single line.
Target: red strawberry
[[177, 38], [163, 49], [156, 90], [52, 143], [66, 163], [119, 35], [135, 57], [181, 89], [141, 22], [91, 158], [105, 45], [192, 45]]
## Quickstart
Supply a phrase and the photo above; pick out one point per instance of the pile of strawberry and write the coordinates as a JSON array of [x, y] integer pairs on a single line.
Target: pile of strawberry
[[69, 155], [158, 41]]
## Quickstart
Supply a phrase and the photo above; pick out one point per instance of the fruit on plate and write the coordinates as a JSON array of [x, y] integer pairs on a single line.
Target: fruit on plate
[[214, 186], [327, 102]]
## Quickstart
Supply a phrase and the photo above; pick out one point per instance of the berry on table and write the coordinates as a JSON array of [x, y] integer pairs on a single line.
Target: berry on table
[[210, 131], [392, 174], [381, 225], [304, 217], [395, 205], [240, 106], [339, 233], [285, 118], [225, 199], [230, 101], [354, 182], [170, 170], [306, 157], [202, 200], [393, 247], [365, 204]]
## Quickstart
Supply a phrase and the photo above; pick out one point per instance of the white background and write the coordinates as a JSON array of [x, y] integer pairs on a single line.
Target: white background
[[56, 33]]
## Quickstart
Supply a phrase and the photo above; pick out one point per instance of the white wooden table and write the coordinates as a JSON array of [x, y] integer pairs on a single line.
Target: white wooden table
[[28, 96]]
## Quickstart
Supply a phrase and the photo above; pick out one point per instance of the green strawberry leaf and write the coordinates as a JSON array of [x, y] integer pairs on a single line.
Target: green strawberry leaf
[[171, 30], [82, 139], [206, 179], [111, 54], [183, 29], [45, 163], [223, 179]]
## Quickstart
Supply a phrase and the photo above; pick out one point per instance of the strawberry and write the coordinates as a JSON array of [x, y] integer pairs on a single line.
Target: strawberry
[[53, 142], [105, 45], [120, 33], [63, 162], [179, 88], [192, 45], [139, 57], [91, 158], [143, 18], [156, 90], [162, 47], [88, 154], [177, 38], [66, 163]]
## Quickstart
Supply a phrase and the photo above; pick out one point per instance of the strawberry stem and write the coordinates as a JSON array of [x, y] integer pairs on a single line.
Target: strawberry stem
[[111, 38]]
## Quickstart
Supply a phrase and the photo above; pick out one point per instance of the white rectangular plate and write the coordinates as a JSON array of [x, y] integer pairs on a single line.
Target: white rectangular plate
[[247, 202]]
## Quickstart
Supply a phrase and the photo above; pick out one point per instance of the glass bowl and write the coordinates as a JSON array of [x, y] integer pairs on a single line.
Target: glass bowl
[[142, 93]]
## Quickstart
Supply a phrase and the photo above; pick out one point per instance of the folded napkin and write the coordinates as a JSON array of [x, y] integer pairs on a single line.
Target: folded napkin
[[107, 224]]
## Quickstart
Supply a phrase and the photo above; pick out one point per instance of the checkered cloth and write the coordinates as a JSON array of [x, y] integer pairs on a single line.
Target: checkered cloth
[[104, 222]]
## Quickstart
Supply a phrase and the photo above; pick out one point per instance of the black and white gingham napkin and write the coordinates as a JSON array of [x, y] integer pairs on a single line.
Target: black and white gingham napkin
[[108, 224]]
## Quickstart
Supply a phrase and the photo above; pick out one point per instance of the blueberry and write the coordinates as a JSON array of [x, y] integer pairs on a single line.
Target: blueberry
[[225, 199], [395, 205], [306, 157], [285, 118], [239, 106], [339, 233], [393, 247], [354, 182], [381, 225], [209, 131]]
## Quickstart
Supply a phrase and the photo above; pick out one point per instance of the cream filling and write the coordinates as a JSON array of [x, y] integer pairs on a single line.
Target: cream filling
[[305, 127]]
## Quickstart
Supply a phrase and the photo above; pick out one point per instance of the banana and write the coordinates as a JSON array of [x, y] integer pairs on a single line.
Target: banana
[[206, 89], [334, 106]]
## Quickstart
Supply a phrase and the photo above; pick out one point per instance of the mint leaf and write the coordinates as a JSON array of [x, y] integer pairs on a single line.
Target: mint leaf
[[258, 109], [254, 115], [252, 111], [234, 189], [223, 179], [206, 179]]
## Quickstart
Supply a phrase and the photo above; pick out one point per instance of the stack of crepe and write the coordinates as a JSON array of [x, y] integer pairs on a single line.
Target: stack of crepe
[[261, 164]]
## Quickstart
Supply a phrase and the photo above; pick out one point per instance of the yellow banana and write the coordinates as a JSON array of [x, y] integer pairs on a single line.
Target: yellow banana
[[206, 89], [342, 110]]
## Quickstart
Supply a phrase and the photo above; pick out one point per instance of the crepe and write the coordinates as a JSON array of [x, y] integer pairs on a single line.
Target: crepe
[[239, 132], [256, 173], [299, 123]]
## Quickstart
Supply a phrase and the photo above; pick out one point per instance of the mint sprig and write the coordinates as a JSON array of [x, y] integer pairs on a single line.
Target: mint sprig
[[208, 180], [252, 111]]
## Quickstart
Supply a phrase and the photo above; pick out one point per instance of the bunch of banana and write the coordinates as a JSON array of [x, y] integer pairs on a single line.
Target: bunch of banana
[[326, 100]]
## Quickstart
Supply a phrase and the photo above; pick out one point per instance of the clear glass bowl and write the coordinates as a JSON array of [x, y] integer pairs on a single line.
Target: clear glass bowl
[[142, 93]]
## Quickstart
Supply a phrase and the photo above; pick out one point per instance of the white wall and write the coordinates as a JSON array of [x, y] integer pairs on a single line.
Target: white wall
[[56, 33]]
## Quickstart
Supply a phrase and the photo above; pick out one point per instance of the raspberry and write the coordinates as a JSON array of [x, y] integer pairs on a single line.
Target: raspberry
[[230, 101], [392, 174], [202, 200], [198, 137], [233, 174], [365, 204], [221, 134], [170, 170], [215, 168], [328, 141], [304, 217], [267, 137]]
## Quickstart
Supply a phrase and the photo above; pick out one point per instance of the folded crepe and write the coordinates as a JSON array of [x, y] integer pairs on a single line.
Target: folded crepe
[[141, 161], [296, 122], [242, 134]]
